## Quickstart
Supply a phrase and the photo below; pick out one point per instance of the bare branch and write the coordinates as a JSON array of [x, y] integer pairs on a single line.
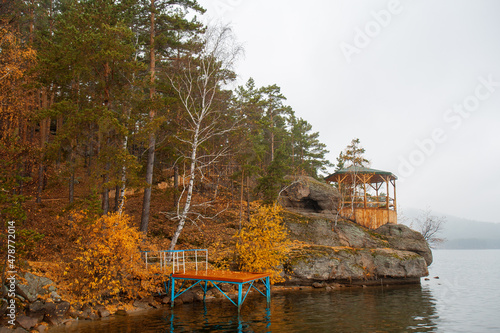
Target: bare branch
[[196, 83], [430, 226]]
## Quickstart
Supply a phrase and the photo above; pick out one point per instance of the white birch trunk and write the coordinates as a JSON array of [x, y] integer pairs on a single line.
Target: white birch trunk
[[189, 195]]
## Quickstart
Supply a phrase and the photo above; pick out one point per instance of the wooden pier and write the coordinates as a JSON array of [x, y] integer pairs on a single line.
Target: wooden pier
[[192, 265], [216, 278]]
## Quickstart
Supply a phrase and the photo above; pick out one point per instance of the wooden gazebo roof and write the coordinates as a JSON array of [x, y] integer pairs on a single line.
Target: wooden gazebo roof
[[369, 175]]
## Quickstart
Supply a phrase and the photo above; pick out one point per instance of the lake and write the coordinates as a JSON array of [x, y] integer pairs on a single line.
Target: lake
[[465, 298]]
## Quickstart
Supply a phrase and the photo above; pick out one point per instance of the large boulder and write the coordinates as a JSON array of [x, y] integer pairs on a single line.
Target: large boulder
[[55, 312], [34, 286], [308, 194], [27, 322], [401, 237], [341, 251], [323, 229], [342, 264]]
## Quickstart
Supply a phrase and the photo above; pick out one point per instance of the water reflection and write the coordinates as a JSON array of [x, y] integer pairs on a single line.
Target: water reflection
[[219, 317], [396, 309], [374, 309]]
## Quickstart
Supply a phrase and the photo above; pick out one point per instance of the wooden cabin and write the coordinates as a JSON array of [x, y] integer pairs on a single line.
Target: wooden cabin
[[368, 196]]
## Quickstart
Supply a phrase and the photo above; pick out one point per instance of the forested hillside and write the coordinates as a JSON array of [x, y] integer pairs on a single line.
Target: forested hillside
[[127, 106]]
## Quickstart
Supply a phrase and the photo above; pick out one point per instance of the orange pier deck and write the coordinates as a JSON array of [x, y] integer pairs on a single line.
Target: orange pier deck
[[203, 277], [226, 276]]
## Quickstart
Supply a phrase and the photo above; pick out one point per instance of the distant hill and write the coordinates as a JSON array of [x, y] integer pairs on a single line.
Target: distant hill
[[463, 233]]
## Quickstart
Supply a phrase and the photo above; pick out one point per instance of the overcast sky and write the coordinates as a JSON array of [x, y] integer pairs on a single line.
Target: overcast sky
[[417, 82]]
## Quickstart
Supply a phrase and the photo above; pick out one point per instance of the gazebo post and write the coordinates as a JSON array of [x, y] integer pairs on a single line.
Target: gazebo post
[[387, 194], [395, 206], [364, 192]]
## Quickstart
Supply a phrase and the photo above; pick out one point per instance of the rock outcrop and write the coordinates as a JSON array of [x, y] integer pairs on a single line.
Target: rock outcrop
[[37, 305], [34, 286], [400, 237], [306, 194], [345, 252]]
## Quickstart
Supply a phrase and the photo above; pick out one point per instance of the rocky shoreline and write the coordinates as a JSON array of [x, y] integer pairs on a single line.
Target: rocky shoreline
[[38, 306], [40, 315], [313, 265], [328, 253]]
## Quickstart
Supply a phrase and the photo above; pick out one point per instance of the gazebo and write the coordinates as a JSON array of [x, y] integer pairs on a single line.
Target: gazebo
[[366, 195]]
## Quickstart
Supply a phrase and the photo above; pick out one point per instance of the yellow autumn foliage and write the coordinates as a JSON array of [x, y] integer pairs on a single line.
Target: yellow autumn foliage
[[16, 59], [107, 264], [263, 243]]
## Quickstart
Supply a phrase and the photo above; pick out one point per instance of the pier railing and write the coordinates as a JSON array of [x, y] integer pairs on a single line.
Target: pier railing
[[177, 261]]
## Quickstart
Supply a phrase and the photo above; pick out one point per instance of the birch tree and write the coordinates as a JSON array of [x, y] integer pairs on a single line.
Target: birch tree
[[170, 33], [197, 82]]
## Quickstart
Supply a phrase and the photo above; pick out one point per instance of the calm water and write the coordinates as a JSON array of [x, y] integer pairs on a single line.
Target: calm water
[[465, 298]]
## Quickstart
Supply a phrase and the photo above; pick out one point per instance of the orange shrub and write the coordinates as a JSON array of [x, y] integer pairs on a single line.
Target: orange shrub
[[262, 243], [106, 260]]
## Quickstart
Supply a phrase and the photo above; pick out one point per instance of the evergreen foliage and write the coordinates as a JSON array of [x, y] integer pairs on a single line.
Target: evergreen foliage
[[353, 155], [92, 87]]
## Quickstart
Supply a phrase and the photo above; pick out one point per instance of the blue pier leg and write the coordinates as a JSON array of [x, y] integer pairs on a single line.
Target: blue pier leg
[[172, 290], [240, 292], [205, 291], [268, 290], [166, 286]]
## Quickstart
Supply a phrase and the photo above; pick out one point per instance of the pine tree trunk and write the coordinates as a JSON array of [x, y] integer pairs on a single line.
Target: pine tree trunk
[[105, 201], [72, 187], [72, 176], [89, 165], [105, 191], [44, 129], [272, 137], [117, 197], [152, 137], [248, 202], [146, 203], [241, 198], [40, 183]]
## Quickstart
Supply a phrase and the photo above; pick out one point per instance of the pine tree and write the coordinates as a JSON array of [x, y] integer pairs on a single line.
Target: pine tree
[[171, 33], [89, 58], [308, 153], [353, 155], [274, 116], [273, 179]]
